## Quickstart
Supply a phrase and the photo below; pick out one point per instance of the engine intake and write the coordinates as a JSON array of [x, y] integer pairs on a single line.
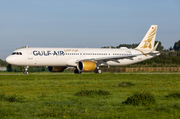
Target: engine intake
[[86, 66], [56, 68]]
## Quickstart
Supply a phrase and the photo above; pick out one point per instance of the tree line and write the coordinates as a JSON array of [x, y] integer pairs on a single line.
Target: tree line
[[3, 63], [159, 48], [176, 46]]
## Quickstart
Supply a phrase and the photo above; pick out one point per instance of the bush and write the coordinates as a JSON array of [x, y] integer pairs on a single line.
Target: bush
[[167, 108], [2, 96], [174, 95], [92, 92], [9, 68], [7, 112], [125, 84], [12, 98], [140, 99]]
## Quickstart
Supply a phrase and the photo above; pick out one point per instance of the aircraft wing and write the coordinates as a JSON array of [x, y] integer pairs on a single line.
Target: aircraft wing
[[114, 58]]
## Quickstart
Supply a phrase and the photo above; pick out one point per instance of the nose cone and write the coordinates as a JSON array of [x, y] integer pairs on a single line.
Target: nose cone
[[10, 60]]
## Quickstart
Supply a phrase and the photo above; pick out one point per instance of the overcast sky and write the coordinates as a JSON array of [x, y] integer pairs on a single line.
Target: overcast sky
[[85, 23]]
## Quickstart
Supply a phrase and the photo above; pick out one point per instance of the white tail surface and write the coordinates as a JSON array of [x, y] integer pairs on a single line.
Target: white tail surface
[[147, 44]]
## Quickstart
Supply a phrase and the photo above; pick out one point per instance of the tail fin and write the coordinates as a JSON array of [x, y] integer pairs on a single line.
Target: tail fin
[[147, 43]]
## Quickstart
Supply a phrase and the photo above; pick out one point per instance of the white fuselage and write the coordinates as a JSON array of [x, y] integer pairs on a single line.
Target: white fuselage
[[85, 59], [70, 56]]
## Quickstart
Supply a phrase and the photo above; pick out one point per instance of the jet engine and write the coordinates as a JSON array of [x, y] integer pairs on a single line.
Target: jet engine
[[86, 66], [56, 68]]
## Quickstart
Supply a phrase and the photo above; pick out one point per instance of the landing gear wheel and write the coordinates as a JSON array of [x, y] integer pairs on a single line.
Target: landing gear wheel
[[76, 71], [97, 71], [26, 72]]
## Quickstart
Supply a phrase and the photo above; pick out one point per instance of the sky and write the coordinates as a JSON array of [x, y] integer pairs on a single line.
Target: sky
[[85, 23]]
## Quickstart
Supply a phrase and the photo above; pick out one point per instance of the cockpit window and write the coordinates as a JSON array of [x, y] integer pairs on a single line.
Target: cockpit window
[[16, 53], [13, 53]]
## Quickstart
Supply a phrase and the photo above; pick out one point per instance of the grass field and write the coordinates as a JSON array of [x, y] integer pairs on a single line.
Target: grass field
[[57, 96]]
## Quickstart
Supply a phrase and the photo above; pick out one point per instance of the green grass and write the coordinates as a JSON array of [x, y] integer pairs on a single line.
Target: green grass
[[56, 96]]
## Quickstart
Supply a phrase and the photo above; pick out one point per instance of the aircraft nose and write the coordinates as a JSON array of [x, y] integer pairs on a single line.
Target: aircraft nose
[[10, 59]]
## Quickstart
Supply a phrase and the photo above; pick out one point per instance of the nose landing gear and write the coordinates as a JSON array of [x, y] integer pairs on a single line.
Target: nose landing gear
[[26, 69]]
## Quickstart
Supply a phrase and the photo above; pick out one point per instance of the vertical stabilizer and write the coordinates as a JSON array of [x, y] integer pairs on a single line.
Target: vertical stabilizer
[[147, 44]]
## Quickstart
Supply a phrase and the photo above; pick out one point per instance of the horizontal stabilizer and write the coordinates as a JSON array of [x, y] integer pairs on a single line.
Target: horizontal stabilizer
[[154, 49]]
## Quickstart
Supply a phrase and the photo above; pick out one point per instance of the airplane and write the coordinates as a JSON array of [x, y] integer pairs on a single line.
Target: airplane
[[85, 59]]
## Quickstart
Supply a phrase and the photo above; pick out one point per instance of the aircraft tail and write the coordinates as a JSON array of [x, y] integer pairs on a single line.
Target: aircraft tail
[[147, 43]]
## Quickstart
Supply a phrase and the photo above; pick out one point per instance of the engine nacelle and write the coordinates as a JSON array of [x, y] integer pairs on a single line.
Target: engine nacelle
[[86, 66], [56, 68]]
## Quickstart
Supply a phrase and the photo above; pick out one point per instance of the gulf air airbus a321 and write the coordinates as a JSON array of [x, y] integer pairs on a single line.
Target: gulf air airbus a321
[[85, 59]]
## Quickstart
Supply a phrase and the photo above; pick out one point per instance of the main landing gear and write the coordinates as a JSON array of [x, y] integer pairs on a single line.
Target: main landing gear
[[97, 70], [26, 69], [76, 71]]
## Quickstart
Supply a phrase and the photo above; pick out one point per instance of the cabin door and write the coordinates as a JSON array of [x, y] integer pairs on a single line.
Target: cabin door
[[30, 55]]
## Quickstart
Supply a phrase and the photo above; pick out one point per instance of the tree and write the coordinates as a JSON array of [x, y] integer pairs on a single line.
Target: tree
[[108, 47], [177, 46], [9, 68], [134, 45], [159, 47], [171, 48], [3, 63], [127, 45]]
